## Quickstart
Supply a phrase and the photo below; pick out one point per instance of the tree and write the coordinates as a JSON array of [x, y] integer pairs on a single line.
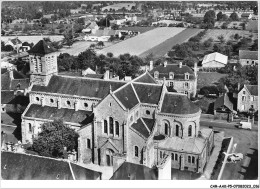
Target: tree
[[52, 139], [224, 25], [221, 39], [92, 46], [45, 21], [219, 16], [254, 47], [68, 38], [26, 44], [224, 17], [234, 17], [207, 43], [8, 48], [236, 36], [209, 18], [110, 55], [190, 61], [100, 44]]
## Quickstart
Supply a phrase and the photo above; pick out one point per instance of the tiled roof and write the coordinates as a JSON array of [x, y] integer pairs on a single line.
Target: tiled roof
[[141, 128], [148, 93], [131, 171], [8, 84], [127, 96], [16, 41], [223, 101], [245, 54], [145, 78], [245, 14], [15, 166], [23, 83], [149, 123], [175, 103], [253, 89], [52, 113], [178, 72], [189, 145], [80, 86], [42, 48], [7, 97], [215, 57]]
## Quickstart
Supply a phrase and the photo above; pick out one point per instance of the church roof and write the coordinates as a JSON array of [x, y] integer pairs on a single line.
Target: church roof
[[149, 123], [80, 86], [15, 166], [143, 126], [175, 103], [42, 48], [52, 113], [11, 84]]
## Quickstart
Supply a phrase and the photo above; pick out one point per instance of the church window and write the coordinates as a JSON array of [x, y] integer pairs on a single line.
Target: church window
[[111, 125], [166, 127], [88, 143], [177, 130], [172, 156], [136, 151], [193, 159], [190, 130], [51, 100], [105, 126], [189, 159], [68, 102], [117, 128], [176, 157], [161, 154], [37, 98], [148, 112], [110, 104], [85, 105]]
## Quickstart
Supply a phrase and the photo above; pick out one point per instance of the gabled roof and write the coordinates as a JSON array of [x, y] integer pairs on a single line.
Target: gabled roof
[[11, 84], [127, 97], [16, 41], [145, 78], [7, 97], [178, 71], [215, 57], [253, 89], [175, 103], [149, 123], [15, 166], [80, 86], [141, 128], [131, 171], [42, 48], [52, 113], [148, 93], [246, 54], [223, 101], [245, 14]]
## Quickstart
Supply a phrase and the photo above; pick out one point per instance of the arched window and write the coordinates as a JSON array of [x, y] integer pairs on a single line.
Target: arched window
[[86, 105], [190, 130], [177, 130], [68, 102], [148, 112], [166, 128], [117, 128], [176, 157], [111, 125], [30, 127], [105, 126], [51, 100], [189, 159], [193, 159], [136, 151]]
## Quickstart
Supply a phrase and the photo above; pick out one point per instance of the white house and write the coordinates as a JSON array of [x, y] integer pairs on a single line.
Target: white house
[[214, 60], [88, 71], [247, 58], [15, 43]]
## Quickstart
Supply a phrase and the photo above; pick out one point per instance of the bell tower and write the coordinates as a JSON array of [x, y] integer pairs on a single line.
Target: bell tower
[[43, 63]]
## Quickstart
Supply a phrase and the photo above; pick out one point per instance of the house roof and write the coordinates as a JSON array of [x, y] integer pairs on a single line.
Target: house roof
[[149, 123], [253, 89], [7, 97], [15, 166], [145, 78], [140, 127], [223, 101], [127, 96], [245, 14], [52, 113], [16, 41], [42, 48], [174, 68], [189, 145], [11, 84], [80, 86], [175, 103], [131, 171], [148, 93], [215, 57], [246, 54]]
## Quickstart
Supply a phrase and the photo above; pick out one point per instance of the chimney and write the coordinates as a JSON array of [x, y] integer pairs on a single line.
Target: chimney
[[151, 65], [106, 75], [165, 64], [180, 64]]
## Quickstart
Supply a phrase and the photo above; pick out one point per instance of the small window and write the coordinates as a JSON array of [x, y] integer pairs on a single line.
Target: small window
[[252, 98], [51, 100], [172, 156], [148, 112], [3, 109], [166, 127], [189, 159], [37, 99], [85, 105], [186, 84], [190, 130], [68, 103], [117, 128], [243, 98], [171, 84], [176, 157], [88, 143], [105, 126], [161, 155], [30, 127], [136, 151], [244, 92], [111, 125], [193, 159], [110, 104]]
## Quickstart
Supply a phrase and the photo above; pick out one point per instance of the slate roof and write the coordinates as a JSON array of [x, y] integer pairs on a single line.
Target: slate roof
[[127, 96], [215, 57], [52, 113], [140, 128], [245, 54], [188, 145], [175, 103], [16, 41], [223, 101], [148, 93], [131, 171], [15, 166], [149, 123], [178, 72], [7, 97], [19, 78], [80, 86], [145, 78], [42, 48], [253, 89], [245, 14]]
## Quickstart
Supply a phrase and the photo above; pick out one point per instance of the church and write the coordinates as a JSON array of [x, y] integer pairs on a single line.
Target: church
[[137, 121]]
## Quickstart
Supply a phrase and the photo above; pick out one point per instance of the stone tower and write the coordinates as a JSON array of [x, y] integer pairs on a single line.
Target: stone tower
[[43, 63]]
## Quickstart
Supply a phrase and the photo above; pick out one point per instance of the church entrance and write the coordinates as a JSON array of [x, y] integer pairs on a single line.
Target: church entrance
[[109, 157]]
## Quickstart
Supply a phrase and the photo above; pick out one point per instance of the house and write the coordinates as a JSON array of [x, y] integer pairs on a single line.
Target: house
[[88, 71], [102, 35], [214, 60], [92, 27], [246, 16], [33, 167], [223, 107], [178, 77], [15, 43], [247, 98], [248, 58], [136, 121]]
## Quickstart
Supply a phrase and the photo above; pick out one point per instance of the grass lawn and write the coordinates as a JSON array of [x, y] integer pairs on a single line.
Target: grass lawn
[[208, 78]]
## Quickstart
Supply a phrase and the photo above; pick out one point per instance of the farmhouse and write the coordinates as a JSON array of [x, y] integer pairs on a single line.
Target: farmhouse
[[247, 98], [214, 60], [92, 27], [136, 121], [102, 35], [248, 58]]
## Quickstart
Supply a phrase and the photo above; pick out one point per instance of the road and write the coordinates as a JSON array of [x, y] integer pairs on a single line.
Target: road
[[246, 144]]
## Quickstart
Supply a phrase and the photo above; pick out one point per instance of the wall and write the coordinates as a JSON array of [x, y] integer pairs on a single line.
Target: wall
[[213, 64], [247, 103], [246, 62]]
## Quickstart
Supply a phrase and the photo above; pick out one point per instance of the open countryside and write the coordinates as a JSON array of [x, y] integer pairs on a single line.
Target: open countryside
[[143, 42], [34, 38]]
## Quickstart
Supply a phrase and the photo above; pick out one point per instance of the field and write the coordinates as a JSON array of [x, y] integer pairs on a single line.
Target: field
[[161, 49], [138, 29], [143, 42], [214, 33], [208, 78], [33, 39]]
